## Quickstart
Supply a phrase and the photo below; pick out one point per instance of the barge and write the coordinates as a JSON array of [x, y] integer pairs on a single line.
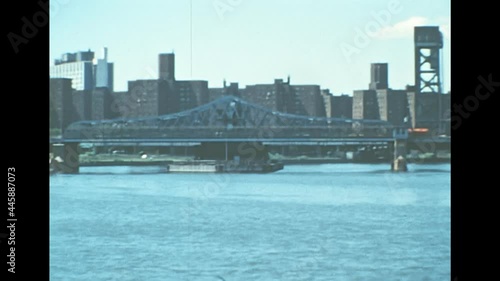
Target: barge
[[219, 166]]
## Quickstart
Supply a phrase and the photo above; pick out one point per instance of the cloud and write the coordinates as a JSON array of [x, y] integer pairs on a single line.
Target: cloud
[[446, 30], [404, 29], [445, 26], [401, 29]]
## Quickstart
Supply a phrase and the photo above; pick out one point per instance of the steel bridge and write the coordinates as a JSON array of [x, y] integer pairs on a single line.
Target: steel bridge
[[225, 128], [229, 119]]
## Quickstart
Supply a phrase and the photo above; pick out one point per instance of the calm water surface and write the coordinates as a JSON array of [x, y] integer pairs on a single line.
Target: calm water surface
[[306, 222]]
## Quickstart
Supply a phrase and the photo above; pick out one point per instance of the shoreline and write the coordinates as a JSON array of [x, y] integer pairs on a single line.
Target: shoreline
[[284, 161]]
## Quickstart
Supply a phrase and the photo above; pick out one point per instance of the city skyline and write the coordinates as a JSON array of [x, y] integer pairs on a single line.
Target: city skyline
[[253, 43]]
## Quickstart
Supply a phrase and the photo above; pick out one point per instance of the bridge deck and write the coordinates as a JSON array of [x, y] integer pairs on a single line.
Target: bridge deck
[[191, 142]]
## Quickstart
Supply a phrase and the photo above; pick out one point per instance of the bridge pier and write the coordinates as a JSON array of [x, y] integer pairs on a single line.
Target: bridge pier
[[399, 162], [399, 159], [65, 158]]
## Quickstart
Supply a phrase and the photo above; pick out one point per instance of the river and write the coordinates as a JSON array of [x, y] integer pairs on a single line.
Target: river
[[306, 222]]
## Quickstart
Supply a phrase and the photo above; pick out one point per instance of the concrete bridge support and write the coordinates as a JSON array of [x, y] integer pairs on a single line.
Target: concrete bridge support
[[399, 162], [400, 142], [65, 158]]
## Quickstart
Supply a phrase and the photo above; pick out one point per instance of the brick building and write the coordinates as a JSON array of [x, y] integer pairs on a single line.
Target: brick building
[[284, 97], [393, 106], [342, 106], [365, 105], [60, 103]]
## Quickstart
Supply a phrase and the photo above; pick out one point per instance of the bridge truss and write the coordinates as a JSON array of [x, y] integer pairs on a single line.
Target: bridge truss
[[228, 118]]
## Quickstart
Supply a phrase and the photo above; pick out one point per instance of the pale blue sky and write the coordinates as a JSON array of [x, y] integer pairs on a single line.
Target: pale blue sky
[[252, 41]]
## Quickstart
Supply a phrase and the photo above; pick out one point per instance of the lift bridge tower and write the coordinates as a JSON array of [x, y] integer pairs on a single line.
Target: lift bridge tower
[[426, 100], [428, 45]]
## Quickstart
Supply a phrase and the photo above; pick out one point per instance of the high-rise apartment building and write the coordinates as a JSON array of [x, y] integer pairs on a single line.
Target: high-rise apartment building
[[103, 71], [85, 71], [341, 106], [379, 76], [61, 104]]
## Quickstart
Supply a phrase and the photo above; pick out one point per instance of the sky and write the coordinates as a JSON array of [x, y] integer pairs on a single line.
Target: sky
[[323, 42]]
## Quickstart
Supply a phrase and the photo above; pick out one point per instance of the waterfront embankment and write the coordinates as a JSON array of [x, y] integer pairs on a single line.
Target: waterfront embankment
[[159, 160]]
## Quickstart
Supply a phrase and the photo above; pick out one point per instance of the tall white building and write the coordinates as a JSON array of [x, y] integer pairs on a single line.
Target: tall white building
[[85, 71], [103, 71]]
